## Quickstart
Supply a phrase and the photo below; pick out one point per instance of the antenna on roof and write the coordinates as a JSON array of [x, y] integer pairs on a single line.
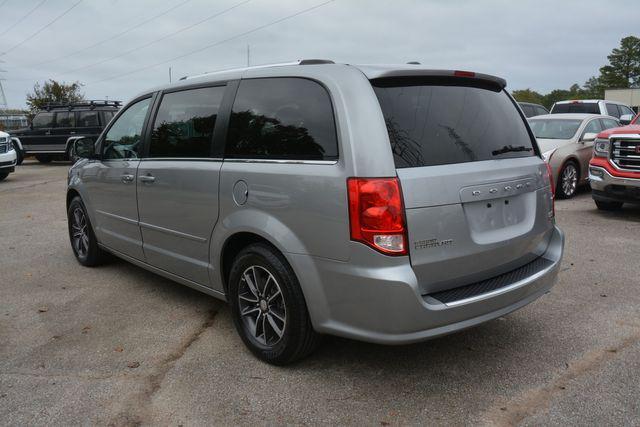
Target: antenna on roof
[[413, 63]]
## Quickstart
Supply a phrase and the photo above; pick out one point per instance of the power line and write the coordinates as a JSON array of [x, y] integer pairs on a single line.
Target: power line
[[261, 27], [115, 36], [43, 28], [208, 18], [12, 26]]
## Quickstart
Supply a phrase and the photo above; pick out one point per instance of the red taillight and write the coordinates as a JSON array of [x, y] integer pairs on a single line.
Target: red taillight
[[553, 189], [376, 214], [464, 73]]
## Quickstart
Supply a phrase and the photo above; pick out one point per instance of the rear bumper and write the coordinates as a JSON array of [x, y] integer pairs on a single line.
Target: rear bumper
[[383, 304], [609, 188]]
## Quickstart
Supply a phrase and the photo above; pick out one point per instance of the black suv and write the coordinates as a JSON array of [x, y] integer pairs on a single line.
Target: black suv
[[53, 129]]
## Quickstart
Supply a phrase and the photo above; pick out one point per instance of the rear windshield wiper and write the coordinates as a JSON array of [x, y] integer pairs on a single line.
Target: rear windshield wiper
[[510, 149]]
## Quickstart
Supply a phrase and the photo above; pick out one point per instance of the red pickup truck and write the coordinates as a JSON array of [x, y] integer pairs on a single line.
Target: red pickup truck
[[614, 170]]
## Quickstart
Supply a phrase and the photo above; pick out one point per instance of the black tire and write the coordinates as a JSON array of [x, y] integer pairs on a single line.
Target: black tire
[[608, 206], [19, 156], [89, 254], [44, 158], [3, 175], [298, 338], [568, 191]]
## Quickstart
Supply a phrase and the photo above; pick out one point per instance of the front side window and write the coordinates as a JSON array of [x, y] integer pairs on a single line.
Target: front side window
[[88, 119], [65, 119], [43, 120], [185, 121], [592, 127], [625, 110], [282, 118], [609, 123], [433, 121], [123, 139], [612, 110]]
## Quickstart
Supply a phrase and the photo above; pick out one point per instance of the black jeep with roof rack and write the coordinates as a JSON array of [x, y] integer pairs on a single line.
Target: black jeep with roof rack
[[54, 128]]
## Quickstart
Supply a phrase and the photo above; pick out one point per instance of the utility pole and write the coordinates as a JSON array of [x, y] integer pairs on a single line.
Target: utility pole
[[3, 98], [248, 56], [169, 74]]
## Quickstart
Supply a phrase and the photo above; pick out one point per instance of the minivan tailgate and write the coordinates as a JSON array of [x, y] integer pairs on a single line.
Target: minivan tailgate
[[472, 221]]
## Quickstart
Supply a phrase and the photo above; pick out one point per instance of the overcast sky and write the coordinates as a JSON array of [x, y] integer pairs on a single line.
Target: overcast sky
[[535, 44]]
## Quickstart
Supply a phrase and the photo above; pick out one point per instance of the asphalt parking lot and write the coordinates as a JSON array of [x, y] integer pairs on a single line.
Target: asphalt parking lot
[[117, 345]]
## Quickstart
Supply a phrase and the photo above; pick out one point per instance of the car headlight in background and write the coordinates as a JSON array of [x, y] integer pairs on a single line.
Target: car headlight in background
[[601, 147], [547, 155]]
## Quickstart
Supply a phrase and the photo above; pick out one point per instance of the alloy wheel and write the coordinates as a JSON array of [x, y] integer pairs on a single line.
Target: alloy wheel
[[262, 306], [79, 232], [569, 180]]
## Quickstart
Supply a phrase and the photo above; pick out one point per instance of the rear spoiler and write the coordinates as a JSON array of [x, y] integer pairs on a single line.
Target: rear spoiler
[[413, 73]]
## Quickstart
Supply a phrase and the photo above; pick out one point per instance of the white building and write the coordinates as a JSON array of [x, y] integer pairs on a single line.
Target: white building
[[631, 97]]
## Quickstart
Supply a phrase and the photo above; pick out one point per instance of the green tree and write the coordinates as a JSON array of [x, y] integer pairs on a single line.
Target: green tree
[[527, 95], [593, 88], [52, 91], [623, 70]]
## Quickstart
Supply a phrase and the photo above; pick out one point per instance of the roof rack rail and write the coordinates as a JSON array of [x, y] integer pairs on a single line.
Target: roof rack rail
[[89, 103], [279, 64]]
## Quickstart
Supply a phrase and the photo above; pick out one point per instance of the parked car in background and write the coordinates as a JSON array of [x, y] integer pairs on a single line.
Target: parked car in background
[[620, 111], [53, 129], [12, 121], [389, 204], [566, 142], [614, 170], [531, 110], [7, 156]]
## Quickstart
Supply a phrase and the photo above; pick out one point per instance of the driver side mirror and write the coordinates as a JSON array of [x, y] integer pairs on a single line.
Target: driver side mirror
[[84, 148], [625, 119], [588, 137]]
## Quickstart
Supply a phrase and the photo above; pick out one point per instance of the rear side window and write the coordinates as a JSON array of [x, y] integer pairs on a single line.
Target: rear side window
[[43, 120], [528, 110], [185, 122], [282, 118], [450, 122], [65, 119], [577, 107], [540, 111], [87, 119], [612, 110]]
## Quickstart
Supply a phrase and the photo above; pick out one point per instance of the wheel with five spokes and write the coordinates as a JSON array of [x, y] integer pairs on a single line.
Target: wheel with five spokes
[[268, 307], [83, 240]]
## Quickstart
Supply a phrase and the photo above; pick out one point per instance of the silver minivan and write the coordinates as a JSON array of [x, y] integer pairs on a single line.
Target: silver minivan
[[389, 204]]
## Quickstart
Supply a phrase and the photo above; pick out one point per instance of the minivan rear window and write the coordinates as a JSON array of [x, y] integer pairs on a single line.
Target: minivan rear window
[[576, 107], [444, 122]]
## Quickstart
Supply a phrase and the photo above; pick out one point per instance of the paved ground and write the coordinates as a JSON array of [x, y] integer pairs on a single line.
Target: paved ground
[[118, 345]]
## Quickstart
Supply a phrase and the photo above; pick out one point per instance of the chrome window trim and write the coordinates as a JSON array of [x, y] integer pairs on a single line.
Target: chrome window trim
[[186, 159], [284, 161]]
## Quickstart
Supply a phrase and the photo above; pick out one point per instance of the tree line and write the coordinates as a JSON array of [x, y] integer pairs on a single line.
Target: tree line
[[622, 71]]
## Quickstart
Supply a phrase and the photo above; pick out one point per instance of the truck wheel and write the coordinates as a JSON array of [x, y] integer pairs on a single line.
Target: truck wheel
[[268, 307], [608, 206], [19, 156], [3, 175], [44, 158]]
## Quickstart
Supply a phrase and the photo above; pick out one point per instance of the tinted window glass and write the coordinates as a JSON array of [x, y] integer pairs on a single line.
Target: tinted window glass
[[578, 107], [43, 120], [108, 115], [625, 110], [87, 119], [65, 119], [554, 128], [184, 123], [612, 110], [540, 111], [528, 110], [282, 118], [437, 124], [123, 138]]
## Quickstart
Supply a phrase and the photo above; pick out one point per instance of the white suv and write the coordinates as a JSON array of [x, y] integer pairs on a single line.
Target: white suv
[[615, 109], [7, 156]]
